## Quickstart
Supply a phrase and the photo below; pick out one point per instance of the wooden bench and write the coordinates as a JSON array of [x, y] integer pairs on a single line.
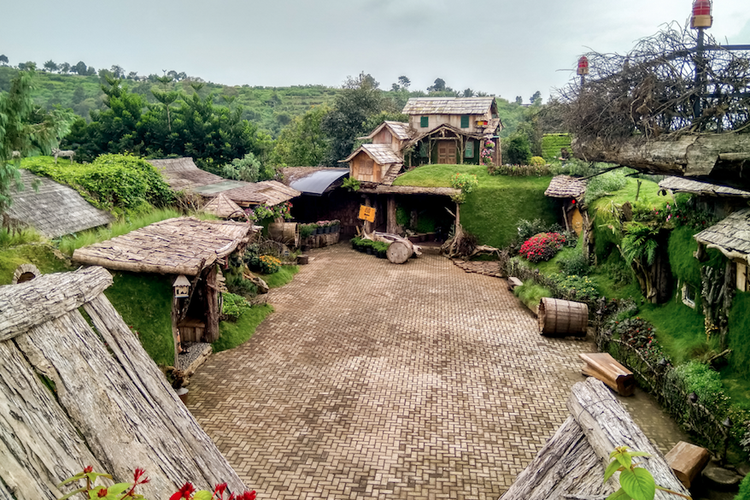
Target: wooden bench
[[687, 461], [513, 282], [602, 366]]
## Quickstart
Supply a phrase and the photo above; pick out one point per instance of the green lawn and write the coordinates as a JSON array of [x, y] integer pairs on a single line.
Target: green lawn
[[493, 209]]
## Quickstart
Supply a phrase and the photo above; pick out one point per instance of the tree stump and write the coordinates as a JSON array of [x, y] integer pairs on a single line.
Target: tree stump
[[400, 251], [602, 366], [687, 461]]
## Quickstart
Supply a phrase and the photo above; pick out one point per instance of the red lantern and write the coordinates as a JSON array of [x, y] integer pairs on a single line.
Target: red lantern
[[583, 66], [701, 14]]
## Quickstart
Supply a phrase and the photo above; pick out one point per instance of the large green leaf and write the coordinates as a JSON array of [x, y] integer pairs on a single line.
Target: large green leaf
[[619, 495], [638, 483]]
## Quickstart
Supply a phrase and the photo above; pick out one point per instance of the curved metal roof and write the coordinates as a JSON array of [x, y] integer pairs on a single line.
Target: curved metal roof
[[318, 182]]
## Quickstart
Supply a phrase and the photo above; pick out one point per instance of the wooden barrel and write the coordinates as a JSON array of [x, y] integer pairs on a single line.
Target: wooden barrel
[[284, 232], [563, 317]]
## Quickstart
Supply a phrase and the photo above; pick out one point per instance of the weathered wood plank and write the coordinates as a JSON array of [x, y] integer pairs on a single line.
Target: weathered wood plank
[[209, 465], [608, 425], [38, 445], [48, 297], [566, 465]]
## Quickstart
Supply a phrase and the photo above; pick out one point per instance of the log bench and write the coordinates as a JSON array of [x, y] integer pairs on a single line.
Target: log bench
[[602, 366], [687, 461], [513, 282]]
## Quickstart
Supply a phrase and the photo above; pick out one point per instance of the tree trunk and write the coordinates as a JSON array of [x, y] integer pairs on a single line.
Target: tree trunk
[[400, 251]]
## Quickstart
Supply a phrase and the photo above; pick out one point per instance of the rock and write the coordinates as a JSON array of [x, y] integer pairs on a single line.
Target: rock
[[720, 478]]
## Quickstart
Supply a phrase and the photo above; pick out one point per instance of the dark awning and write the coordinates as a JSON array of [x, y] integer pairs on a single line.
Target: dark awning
[[318, 182]]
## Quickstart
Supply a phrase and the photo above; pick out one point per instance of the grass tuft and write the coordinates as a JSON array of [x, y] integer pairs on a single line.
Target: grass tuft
[[233, 334]]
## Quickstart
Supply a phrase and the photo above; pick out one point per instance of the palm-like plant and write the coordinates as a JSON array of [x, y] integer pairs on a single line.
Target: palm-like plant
[[639, 246]]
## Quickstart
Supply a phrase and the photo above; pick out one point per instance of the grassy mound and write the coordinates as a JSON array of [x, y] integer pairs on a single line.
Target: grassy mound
[[493, 209]]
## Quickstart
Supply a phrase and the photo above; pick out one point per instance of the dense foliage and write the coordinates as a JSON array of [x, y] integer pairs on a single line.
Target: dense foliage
[[542, 246], [119, 183]]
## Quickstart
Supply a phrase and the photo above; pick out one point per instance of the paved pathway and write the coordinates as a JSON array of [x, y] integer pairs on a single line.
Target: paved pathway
[[373, 380]]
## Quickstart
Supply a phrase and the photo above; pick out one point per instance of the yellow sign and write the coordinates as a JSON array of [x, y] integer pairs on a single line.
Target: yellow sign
[[367, 213]]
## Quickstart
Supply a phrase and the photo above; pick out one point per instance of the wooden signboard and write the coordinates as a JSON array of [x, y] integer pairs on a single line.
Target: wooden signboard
[[367, 213]]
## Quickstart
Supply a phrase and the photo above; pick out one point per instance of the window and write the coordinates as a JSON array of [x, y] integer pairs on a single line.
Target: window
[[424, 121], [688, 295], [465, 122], [469, 151], [423, 150]]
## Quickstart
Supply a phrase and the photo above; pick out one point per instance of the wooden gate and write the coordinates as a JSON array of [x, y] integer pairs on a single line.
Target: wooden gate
[[447, 152]]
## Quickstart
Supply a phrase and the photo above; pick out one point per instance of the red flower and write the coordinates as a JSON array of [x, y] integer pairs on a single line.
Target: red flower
[[102, 493], [186, 491], [219, 490], [88, 469]]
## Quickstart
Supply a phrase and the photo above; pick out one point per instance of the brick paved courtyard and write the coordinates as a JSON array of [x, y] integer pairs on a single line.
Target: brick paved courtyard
[[373, 380]]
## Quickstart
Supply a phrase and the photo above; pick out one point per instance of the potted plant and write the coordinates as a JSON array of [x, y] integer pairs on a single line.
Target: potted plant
[[306, 230], [336, 225]]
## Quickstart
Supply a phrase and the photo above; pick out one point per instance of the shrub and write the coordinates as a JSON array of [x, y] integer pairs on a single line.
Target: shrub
[[519, 150], [604, 184], [573, 287], [527, 229], [537, 161], [466, 183], [576, 264], [705, 382], [243, 169], [520, 170], [269, 264], [542, 247], [233, 305], [744, 493]]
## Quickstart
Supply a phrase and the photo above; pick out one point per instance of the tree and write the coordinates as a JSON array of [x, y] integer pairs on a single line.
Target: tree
[[24, 127], [27, 66], [468, 93], [438, 86], [359, 99], [537, 95], [50, 66], [519, 99], [519, 151], [303, 143], [80, 68], [243, 169], [117, 71], [4, 59], [64, 67], [402, 84]]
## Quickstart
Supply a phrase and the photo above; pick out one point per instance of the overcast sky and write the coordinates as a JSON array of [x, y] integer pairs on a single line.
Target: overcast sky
[[502, 47]]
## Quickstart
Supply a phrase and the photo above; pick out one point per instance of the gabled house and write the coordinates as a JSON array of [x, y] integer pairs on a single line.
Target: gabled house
[[375, 163]]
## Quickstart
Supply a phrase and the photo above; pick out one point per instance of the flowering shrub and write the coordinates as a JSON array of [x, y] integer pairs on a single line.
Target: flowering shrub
[[269, 264], [261, 212], [466, 183], [488, 149], [126, 491], [641, 335], [543, 246], [537, 161]]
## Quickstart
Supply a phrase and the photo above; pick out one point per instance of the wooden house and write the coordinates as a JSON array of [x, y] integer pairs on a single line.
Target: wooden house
[[717, 199], [79, 389], [731, 237], [570, 191], [375, 163], [51, 208], [183, 246], [221, 206], [451, 129], [393, 134]]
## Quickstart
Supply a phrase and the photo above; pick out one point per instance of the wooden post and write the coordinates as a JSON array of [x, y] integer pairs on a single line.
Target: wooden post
[[212, 304], [391, 225], [175, 328], [368, 224]]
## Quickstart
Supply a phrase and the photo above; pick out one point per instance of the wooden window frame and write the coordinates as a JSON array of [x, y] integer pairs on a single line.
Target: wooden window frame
[[465, 121]]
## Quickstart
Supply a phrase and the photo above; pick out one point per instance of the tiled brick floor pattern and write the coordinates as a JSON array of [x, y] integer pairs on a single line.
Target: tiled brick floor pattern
[[373, 380]]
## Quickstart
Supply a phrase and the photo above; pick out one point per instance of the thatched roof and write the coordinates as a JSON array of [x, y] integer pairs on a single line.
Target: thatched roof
[[222, 206], [182, 173], [400, 130], [113, 408], [731, 236], [255, 193], [683, 185], [382, 154], [564, 186], [448, 105], [175, 246], [53, 209]]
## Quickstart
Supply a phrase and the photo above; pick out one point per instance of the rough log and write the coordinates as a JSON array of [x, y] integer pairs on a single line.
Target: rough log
[[213, 311], [687, 461], [690, 155], [604, 367], [566, 465], [439, 191], [391, 225], [608, 425], [400, 251], [48, 297]]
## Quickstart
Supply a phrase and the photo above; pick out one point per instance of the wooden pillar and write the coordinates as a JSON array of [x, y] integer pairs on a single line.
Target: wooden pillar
[[175, 328], [212, 304], [368, 224], [391, 226]]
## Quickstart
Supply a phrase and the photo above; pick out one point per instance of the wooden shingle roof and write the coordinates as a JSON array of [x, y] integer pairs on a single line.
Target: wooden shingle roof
[[731, 236], [53, 209], [270, 193], [402, 131], [222, 206], [382, 154], [185, 245], [448, 105], [182, 173], [683, 185], [565, 186]]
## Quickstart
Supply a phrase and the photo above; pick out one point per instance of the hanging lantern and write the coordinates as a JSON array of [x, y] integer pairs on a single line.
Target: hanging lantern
[[701, 14], [181, 287], [583, 66]]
